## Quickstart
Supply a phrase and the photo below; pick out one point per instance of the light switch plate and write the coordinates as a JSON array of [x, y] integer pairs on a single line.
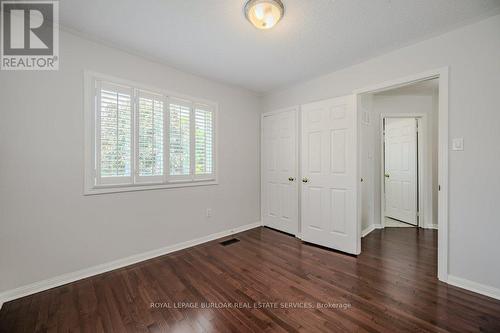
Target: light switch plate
[[458, 144]]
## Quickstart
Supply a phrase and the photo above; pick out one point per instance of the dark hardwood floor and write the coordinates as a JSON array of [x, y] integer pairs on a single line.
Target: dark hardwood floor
[[268, 281]]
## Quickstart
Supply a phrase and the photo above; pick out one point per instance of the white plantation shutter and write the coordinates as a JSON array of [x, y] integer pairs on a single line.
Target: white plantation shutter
[[203, 141], [114, 134], [140, 138], [179, 138], [149, 136]]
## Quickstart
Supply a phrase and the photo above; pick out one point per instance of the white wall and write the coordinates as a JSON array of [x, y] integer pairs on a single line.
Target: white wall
[[473, 54], [367, 162], [47, 227]]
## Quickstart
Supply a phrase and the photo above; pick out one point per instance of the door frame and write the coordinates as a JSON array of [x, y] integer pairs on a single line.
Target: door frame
[[295, 108], [443, 145], [422, 146]]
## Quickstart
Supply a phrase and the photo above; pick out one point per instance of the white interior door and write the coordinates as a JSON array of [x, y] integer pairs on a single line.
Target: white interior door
[[401, 169], [329, 174], [279, 170]]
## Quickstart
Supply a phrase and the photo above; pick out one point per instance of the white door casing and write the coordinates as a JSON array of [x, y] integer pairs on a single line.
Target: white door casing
[[400, 169], [280, 170], [443, 155], [330, 175]]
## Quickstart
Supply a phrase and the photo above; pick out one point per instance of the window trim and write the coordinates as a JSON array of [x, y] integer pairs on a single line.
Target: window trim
[[90, 140]]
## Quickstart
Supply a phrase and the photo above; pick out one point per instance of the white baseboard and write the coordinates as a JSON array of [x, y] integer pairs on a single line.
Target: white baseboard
[[60, 280], [474, 286], [431, 226], [369, 229]]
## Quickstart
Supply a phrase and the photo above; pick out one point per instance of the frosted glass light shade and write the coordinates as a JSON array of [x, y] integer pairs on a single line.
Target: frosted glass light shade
[[264, 14]]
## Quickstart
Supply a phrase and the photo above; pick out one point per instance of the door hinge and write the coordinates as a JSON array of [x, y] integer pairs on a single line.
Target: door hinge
[[418, 213], [439, 187]]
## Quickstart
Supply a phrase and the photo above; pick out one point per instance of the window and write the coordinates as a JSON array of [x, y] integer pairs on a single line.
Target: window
[[144, 138], [203, 140], [114, 134], [180, 138], [150, 125]]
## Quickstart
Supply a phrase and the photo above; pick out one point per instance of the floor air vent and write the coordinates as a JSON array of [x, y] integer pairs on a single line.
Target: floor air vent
[[229, 241]]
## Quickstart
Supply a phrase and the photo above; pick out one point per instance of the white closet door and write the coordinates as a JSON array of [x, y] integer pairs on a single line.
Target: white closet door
[[279, 170], [401, 169], [330, 177]]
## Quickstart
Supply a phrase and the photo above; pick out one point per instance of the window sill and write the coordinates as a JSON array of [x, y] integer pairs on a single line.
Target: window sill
[[106, 189]]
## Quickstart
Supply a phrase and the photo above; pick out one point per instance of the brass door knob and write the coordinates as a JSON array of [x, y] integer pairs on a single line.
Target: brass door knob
[[291, 179], [305, 180]]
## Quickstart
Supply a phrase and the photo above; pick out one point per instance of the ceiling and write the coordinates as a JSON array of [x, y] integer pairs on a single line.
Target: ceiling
[[212, 38]]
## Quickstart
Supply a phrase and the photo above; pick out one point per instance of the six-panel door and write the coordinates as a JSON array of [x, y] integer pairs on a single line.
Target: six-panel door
[[329, 171], [279, 170], [401, 169]]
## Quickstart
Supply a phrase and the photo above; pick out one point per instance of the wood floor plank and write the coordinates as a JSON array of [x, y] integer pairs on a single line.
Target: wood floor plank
[[267, 282]]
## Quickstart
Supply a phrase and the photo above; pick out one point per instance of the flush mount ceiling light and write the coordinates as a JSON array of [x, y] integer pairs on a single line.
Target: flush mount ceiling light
[[264, 14]]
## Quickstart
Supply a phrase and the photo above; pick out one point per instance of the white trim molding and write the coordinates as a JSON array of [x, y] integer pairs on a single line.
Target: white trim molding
[[443, 144], [60, 280], [370, 228], [431, 226], [474, 286]]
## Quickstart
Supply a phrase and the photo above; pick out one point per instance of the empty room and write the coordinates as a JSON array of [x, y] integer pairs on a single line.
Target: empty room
[[249, 166]]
